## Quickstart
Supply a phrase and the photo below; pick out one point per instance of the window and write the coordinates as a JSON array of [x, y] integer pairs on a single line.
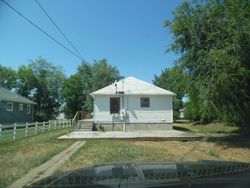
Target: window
[[10, 106], [114, 105], [20, 107], [145, 102], [28, 109]]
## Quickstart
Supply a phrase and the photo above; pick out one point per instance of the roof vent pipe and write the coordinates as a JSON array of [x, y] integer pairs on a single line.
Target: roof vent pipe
[[115, 84]]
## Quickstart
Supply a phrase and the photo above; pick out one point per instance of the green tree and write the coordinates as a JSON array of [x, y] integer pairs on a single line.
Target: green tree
[[26, 81], [73, 95], [87, 79], [42, 82], [213, 40], [175, 80], [103, 74], [7, 77], [85, 71]]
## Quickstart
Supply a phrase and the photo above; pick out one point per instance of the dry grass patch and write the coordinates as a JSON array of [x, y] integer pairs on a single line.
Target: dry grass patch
[[224, 147], [96, 152], [17, 158]]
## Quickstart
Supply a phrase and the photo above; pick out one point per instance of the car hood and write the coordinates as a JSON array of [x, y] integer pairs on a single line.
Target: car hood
[[122, 174]]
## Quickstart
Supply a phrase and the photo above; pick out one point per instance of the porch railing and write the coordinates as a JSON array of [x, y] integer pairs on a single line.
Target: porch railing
[[80, 115]]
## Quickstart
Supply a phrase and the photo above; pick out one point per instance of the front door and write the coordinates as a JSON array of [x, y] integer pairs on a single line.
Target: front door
[[114, 105]]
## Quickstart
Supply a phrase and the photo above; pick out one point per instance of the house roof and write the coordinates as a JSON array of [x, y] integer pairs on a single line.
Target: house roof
[[132, 86], [7, 95]]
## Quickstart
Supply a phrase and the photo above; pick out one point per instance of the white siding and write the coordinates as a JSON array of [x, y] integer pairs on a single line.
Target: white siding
[[101, 109], [160, 110]]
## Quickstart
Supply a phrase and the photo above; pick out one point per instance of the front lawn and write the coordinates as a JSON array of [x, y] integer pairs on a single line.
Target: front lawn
[[103, 151], [19, 157], [212, 128]]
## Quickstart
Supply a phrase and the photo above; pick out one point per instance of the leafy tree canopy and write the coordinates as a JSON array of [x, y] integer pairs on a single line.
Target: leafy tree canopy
[[175, 80], [7, 77], [87, 79], [213, 40], [42, 82]]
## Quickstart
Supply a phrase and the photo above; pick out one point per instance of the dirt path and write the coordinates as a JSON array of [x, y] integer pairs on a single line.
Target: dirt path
[[47, 168]]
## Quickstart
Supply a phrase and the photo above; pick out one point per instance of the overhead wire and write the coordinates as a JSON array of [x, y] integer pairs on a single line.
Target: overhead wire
[[58, 28], [41, 30]]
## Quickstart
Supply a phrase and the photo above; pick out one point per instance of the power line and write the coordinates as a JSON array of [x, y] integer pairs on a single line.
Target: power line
[[66, 38], [40, 29]]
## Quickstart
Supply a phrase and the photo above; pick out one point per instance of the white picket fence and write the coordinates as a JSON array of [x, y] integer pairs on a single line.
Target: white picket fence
[[14, 131]]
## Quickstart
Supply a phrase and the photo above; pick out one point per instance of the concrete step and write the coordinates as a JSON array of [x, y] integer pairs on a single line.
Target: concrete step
[[85, 129], [85, 125]]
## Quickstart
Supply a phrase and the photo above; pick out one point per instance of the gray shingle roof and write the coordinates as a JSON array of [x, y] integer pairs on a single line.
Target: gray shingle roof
[[133, 86], [7, 95]]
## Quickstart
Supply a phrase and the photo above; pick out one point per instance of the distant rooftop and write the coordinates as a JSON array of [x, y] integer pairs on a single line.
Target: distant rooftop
[[7, 95], [132, 86]]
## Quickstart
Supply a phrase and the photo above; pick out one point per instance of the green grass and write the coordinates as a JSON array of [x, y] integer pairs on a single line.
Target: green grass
[[105, 151], [19, 157], [212, 128], [7, 135]]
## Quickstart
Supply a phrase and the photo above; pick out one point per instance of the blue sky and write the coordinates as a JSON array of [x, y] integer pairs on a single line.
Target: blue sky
[[128, 33]]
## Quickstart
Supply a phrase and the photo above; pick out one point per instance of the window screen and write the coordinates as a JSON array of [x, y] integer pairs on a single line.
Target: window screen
[[145, 102], [9, 106], [20, 107]]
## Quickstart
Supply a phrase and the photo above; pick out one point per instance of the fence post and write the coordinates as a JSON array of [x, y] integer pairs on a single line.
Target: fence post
[[59, 123], [26, 129], [63, 123], [0, 132], [54, 124], [49, 126], [14, 132], [36, 127], [43, 126]]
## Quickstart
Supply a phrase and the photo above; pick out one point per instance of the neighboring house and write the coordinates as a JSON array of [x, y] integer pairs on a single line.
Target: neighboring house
[[135, 102], [15, 108]]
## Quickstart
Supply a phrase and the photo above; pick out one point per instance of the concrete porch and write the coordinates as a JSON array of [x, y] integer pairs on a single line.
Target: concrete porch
[[171, 135]]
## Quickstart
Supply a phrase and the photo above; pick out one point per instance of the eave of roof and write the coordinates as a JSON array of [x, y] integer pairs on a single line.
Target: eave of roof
[[132, 86], [6, 95]]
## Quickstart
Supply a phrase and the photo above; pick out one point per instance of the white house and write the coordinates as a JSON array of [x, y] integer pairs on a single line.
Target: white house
[[133, 103]]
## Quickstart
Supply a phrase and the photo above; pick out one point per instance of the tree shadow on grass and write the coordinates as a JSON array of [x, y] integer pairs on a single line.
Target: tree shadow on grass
[[238, 138], [179, 128]]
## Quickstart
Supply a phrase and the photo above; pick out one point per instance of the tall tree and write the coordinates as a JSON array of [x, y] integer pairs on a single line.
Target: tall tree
[[73, 95], [103, 74], [26, 81], [87, 79], [7, 77], [175, 80], [213, 39], [85, 71], [42, 82]]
